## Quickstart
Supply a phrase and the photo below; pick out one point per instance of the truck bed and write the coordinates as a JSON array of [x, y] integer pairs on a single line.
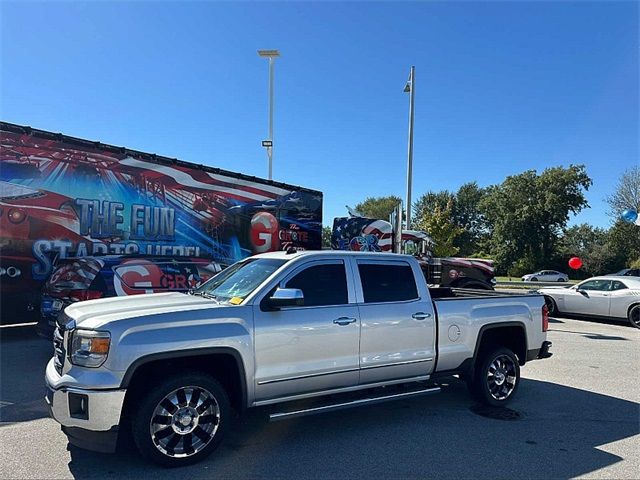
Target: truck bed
[[450, 293]]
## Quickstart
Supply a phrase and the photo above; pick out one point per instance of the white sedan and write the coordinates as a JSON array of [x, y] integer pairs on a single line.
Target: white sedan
[[610, 296], [546, 276]]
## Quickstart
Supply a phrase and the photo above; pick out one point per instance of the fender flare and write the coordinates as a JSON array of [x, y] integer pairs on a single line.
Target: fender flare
[[175, 354], [494, 326]]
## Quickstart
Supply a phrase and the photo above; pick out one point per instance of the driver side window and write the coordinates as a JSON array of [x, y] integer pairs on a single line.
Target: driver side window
[[597, 285], [322, 285]]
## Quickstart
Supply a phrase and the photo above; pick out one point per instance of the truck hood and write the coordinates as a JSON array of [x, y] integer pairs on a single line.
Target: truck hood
[[96, 313]]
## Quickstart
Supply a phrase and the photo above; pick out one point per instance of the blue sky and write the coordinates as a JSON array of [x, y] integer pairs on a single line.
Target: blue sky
[[500, 87]]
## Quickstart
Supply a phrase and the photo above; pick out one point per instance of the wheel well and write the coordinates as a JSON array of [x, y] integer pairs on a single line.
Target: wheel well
[[472, 283], [630, 307], [222, 366], [512, 337]]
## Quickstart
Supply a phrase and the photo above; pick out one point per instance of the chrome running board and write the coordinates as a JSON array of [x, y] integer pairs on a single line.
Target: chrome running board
[[350, 404]]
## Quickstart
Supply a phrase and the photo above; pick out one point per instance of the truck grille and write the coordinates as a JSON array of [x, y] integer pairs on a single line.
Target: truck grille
[[58, 348]]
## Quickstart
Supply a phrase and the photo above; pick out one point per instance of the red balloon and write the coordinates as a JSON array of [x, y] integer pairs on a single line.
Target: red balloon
[[575, 263]]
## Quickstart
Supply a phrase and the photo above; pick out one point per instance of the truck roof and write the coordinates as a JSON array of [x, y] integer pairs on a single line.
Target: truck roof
[[149, 157], [340, 253]]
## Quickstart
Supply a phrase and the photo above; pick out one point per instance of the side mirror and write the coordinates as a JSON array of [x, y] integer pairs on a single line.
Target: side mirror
[[286, 297], [582, 291]]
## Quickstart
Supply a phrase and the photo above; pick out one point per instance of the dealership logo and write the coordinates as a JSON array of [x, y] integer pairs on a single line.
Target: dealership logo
[[264, 232]]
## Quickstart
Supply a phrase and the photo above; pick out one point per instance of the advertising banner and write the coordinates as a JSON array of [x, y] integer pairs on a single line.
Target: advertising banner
[[63, 198]]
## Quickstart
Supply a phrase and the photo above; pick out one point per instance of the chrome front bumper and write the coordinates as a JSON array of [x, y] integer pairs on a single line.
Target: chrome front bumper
[[96, 410]]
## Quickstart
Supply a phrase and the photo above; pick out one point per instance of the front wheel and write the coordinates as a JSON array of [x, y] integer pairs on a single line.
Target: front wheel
[[496, 378], [182, 420], [634, 316]]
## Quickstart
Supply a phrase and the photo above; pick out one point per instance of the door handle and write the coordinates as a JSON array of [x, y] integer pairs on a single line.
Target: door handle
[[344, 321], [421, 316]]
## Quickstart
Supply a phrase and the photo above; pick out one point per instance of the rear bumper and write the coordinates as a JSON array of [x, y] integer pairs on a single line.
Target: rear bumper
[[540, 353]]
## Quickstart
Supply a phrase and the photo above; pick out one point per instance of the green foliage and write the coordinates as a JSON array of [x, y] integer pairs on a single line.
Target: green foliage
[[441, 228], [591, 245], [527, 213], [326, 237], [465, 213], [378, 207], [624, 243], [635, 263]]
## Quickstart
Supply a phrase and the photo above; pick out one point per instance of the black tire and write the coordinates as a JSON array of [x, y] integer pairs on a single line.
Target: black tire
[[551, 305], [534, 279], [474, 284], [561, 279], [157, 426], [634, 316], [494, 389]]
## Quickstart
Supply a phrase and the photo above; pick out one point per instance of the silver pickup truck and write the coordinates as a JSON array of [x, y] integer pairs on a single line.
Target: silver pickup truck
[[336, 329]]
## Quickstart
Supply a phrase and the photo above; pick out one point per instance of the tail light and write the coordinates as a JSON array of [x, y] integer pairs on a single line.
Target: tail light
[[545, 318], [82, 295], [16, 215]]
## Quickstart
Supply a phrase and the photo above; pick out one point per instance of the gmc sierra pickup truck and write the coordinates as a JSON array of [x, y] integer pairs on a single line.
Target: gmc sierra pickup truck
[[343, 328]]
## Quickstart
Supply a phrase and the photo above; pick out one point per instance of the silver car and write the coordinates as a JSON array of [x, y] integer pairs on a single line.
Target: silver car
[[546, 276], [609, 296]]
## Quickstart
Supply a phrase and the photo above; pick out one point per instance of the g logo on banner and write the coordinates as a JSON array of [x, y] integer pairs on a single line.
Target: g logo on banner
[[264, 233]]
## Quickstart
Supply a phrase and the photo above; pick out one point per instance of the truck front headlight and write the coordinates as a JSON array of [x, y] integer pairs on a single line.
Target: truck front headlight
[[89, 348]]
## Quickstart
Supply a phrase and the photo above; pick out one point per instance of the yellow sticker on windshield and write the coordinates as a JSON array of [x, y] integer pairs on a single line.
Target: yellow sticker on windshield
[[236, 300]]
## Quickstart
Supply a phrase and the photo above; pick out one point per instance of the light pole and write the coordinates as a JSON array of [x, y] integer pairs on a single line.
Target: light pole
[[271, 55], [410, 88]]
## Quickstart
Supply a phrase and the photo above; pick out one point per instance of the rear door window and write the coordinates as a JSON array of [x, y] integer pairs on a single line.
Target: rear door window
[[392, 282], [616, 285]]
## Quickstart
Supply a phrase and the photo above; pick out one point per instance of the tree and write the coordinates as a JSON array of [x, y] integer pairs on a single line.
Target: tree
[[527, 213], [428, 202], [326, 237], [378, 207], [591, 245], [442, 229], [465, 213], [624, 243], [627, 193]]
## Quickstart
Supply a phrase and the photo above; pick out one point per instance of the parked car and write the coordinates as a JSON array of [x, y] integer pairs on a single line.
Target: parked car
[[89, 278], [274, 328], [626, 272], [546, 276], [608, 296]]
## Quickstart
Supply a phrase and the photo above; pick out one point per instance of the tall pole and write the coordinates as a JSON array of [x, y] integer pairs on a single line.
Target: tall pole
[[271, 55], [270, 149], [411, 88]]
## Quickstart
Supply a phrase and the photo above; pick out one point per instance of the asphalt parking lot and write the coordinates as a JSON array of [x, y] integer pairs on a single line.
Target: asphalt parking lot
[[577, 414]]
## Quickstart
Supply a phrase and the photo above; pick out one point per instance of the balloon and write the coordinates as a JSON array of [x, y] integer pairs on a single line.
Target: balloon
[[575, 263], [629, 215]]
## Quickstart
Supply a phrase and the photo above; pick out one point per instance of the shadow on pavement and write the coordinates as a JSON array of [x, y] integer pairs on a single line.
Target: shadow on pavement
[[23, 358], [558, 434]]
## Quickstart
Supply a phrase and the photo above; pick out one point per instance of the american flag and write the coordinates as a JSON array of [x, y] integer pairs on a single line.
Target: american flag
[[358, 233]]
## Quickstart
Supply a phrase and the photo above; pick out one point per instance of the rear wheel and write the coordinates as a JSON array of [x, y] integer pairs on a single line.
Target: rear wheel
[[634, 316], [496, 378], [551, 305], [561, 279], [182, 420]]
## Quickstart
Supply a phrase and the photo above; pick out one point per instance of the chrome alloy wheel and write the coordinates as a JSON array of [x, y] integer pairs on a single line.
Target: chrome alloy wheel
[[501, 377], [185, 421]]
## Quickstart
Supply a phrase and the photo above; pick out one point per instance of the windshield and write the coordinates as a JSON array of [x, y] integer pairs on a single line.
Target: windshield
[[235, 283]]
